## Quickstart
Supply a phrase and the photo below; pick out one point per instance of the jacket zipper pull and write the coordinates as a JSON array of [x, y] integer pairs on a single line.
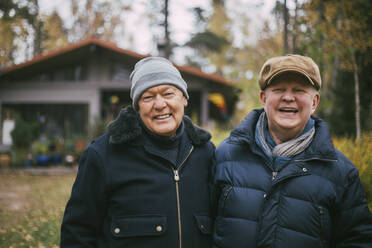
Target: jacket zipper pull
[[176, 176], [275, 173]]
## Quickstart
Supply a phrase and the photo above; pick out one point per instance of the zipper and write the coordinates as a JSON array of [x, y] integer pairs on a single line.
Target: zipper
[[275, 173], [177, 179], [322, 235], [225, 195], [290, 176]]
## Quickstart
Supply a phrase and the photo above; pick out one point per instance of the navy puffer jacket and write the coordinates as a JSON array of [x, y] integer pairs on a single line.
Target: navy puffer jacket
[[126, 195], [316, 200]]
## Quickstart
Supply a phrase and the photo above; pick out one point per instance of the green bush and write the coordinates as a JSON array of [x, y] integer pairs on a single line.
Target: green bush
[[218, 135], [24, 133]]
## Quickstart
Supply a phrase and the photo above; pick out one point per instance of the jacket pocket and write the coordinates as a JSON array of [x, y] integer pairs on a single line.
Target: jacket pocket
[[223, 198], [325, 225], [204, 223], [203, 236], [136, 226]]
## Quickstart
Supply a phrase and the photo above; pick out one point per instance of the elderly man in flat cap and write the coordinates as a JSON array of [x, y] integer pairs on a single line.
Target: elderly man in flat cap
[[279, 181], [145, 182]]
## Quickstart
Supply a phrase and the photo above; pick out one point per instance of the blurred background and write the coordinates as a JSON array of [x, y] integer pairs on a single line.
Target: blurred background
[[64, 75]]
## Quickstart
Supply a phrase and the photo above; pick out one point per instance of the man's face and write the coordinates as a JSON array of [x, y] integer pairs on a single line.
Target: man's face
[[289, 101], [161, 109]]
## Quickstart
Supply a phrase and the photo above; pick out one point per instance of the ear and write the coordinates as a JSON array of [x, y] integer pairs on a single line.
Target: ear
[[262, 97], [185, 102], [316, 100]]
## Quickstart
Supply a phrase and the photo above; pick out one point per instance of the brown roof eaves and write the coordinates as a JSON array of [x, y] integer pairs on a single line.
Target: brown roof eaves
[[200, 73], [113, 47]]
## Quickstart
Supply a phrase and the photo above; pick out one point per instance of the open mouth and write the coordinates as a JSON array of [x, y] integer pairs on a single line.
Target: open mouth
[[288, 110], [162, 117]]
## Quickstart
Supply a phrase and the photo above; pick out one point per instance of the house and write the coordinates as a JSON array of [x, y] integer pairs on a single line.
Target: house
[[72, 88]]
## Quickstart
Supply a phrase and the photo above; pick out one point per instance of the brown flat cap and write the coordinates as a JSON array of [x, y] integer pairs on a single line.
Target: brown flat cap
[[290, 63]]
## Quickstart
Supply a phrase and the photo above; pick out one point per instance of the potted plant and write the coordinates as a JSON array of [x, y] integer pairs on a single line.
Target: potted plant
[[40, 151]]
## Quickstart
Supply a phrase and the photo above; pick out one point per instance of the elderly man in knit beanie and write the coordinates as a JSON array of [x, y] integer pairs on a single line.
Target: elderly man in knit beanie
[[159, 94], [279, 182], [145, 183]]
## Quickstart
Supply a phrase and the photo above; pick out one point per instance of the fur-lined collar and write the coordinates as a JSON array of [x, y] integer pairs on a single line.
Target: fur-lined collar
[[126, 128]]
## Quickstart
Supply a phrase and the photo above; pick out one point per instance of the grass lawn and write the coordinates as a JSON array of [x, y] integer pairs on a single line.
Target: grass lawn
[[31, 209]]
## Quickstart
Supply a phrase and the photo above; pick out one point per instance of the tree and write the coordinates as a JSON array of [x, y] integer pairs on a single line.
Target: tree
[[213, 41], [158, 14], [289, 19], [202, 41], [248, 63], [37, 26], [18, 21], [55, 34], [95, 18], [30, 33], [7, 46], [26, 27], [168, 48], [239, 61], [346, 25], [285, 28]]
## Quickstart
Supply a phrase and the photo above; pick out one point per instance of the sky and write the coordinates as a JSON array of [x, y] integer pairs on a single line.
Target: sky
[[181, 19]]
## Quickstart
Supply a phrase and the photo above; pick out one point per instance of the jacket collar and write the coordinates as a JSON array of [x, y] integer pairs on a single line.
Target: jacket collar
[[245, 131], [320, 148], [127, 128]]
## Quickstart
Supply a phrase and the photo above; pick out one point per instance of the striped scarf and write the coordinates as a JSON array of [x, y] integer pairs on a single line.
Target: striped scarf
[[287, 149]]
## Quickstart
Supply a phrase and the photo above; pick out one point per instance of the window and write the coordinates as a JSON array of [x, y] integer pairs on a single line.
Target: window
[[119, 73], [75, 73]]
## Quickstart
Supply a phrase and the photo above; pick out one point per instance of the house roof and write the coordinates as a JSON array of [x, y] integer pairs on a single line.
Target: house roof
[[111, 46]]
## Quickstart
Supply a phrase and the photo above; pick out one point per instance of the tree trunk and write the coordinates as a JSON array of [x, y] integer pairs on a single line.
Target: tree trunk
[[294, 31], [357, 100], [166, 29], [38, 37], [37, 26], [285, 31], [333, 77]]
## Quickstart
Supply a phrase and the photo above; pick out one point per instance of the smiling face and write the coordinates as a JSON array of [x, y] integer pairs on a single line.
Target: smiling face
[[289, 101], [161, 109]]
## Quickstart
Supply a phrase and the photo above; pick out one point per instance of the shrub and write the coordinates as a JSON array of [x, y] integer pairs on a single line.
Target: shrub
[[218, 135], [24, 133]]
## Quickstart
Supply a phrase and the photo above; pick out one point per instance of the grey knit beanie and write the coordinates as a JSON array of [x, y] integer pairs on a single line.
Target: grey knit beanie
[[154, 71]]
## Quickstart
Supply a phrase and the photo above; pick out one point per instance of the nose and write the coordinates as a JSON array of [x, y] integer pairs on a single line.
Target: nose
[[159, 102], [288, 96]]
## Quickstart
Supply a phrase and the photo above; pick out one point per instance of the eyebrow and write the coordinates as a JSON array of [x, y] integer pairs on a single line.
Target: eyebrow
[[160, 91]]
